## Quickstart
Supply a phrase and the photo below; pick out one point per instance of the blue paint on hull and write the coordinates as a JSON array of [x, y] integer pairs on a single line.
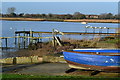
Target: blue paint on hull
[[96, 60], [98, 50]]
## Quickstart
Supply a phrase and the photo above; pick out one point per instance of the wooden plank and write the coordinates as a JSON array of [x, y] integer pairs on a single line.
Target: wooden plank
[[80, 33], [58, 41], [28, 32], [6, 42]]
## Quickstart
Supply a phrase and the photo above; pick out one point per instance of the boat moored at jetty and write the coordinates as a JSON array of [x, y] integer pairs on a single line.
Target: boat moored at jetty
[[94, 59]]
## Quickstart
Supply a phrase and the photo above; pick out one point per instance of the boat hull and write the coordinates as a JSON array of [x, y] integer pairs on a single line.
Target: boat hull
[[81, 60]]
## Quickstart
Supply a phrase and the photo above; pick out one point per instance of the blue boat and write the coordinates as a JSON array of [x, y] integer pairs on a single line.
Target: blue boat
[[94, 59]]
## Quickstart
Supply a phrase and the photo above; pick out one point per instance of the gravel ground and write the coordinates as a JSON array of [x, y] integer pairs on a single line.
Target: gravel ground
[[53, 69], [45, 69]]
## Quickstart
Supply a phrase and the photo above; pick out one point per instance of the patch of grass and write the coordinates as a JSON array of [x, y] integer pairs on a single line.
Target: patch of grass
[[111, 41], [42, 77]]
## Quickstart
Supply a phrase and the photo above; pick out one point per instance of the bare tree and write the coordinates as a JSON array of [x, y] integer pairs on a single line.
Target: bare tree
[[11, 10], [78, 15]]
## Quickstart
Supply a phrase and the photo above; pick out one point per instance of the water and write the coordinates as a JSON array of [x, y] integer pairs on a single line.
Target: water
[[9, 27]]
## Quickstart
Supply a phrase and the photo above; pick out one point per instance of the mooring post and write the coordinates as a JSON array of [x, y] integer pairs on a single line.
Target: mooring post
[[31, 36], [15, 38], [53, 34], [41, 38], [27, 38], [38, 38], [6, 42], [15, 34], [19, 40], [107, 31], [24, 39]]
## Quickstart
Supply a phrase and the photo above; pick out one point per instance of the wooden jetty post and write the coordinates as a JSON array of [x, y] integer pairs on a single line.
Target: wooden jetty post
[[24, 40], [29, 38], [15, 39], [53, 35], [31, 35], [107, 30], [19, 40], [40, 35], [6, 43]]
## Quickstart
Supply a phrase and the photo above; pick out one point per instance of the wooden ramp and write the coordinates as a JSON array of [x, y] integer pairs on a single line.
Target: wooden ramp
[[58, 40]]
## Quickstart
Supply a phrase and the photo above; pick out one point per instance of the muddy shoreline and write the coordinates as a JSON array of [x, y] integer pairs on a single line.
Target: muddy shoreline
[[47, 48]]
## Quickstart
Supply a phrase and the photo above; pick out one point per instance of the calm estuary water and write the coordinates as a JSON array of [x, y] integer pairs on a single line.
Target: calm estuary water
[[9, 27]]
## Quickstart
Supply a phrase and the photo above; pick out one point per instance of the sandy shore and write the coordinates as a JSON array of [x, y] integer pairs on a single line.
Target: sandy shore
[[66, 20]]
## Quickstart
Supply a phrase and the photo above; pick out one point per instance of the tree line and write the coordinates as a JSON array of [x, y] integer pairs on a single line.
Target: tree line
[[76, 15]]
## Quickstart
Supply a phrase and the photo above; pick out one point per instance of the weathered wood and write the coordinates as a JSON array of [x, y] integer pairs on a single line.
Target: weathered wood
[[40, 35], [6, 42], [76, 33], [24, 40], [53, 35], [19, 41], [15, 39], [58, 41], [30, 36]]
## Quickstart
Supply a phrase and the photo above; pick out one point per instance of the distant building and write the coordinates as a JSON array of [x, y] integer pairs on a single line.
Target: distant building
[[92, 16]]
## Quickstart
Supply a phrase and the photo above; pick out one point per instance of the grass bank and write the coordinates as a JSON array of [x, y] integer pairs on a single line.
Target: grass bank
[[22, 76], [22, 19], [64, 20], [94, 20]]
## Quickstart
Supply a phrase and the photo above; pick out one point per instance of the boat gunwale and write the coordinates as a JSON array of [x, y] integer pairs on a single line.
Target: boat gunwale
[[95, 53], [96, 49]]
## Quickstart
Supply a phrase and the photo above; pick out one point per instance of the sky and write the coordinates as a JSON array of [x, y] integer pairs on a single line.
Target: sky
[[60, 0], [62, 7]]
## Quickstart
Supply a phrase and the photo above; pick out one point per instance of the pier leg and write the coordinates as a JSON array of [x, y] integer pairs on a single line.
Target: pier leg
[[19, 41], [6, 42], [24, 41], [31, 35], [15, 39], [40, 35], [41, 38], [53, 34], [29, 38]]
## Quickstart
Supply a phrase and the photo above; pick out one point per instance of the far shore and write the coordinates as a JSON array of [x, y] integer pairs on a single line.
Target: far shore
[[64, 20]]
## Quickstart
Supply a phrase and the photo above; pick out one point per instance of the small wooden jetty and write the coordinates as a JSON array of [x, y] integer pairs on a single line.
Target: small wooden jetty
[[80, 33], [29, 36]]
